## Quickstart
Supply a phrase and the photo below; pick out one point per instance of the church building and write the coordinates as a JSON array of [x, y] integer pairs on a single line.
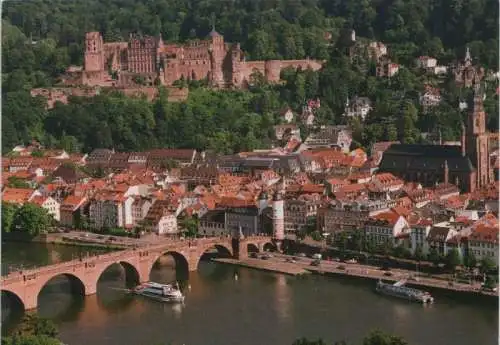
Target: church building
[[467, 166]]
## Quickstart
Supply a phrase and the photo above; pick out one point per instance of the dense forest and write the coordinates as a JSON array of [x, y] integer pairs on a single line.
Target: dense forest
[[40, 38]]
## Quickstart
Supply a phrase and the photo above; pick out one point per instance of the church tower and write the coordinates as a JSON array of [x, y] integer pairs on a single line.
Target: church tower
[[477, 139]]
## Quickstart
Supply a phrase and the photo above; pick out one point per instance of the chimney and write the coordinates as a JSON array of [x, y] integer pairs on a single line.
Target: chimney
[[446, 172]]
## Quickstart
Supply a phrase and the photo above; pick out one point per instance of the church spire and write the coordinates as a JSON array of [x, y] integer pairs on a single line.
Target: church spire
[[468, 58]]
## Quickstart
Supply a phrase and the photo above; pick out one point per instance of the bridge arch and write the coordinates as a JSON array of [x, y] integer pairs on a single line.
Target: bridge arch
[[13, 309], [132, 274], [78, 288], [223, 250], [12, 300], [253, 248], [269, 246], [182, 264]]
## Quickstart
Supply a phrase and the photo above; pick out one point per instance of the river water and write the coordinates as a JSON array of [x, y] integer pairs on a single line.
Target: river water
[[228, 305]]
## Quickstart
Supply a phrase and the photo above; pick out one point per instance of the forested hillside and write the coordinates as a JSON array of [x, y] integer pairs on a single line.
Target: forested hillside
[[40, 38]]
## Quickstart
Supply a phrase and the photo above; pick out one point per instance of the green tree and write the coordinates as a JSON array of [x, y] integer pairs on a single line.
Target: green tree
[[33, 330], [487, 265], [453, 259], [316, 236], [470, 260], [37, 153], [434, 256], [16, 182], [32, 324], [30, 340], [8, 215], [381, 338], [32, 219], [190, 226], [401, 252], [419, 254]]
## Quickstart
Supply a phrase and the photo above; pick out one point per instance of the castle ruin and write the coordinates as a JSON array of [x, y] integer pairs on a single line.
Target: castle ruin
[[148, 61]]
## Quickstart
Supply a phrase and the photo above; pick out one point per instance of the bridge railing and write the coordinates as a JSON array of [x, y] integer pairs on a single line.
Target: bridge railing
[[115, 256]]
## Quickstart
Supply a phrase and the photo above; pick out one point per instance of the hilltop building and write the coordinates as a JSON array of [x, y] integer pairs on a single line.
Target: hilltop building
[[148, 61]]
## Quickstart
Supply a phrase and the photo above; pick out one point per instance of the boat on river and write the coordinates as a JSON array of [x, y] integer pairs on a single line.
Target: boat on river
[[399, 290], [160, 292]]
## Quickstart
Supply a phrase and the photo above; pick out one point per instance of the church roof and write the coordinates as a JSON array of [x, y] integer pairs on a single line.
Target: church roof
[[425, 158]]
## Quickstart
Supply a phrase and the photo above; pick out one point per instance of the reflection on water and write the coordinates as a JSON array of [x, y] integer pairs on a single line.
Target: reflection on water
[[282, 298], [257, 308], [17, 256]]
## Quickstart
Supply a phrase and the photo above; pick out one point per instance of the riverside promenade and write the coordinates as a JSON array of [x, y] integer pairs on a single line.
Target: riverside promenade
[[277, 263], [263, 265]]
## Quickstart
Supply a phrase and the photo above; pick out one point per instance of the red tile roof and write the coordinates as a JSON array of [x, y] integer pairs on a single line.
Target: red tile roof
[[16, 195]]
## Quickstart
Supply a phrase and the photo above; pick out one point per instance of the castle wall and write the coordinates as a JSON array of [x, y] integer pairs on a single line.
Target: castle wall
[[303, 64], [141, 55], [271, 69], [113, 53]]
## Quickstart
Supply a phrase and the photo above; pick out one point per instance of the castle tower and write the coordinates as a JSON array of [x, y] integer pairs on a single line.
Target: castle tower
[[236, 65], [477, 139], [278, 217], [93, 58], [217, 53], [94, 52]]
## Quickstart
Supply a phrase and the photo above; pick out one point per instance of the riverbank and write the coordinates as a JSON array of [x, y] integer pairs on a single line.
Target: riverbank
[[356, 271], [262, 265]]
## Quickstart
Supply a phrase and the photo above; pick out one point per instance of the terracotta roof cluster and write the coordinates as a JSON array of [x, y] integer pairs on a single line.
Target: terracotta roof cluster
[[72, 202], [485, 233], [388, 218], [17, 195]]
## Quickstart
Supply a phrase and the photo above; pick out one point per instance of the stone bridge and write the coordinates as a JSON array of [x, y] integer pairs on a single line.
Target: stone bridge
[[84, 273]]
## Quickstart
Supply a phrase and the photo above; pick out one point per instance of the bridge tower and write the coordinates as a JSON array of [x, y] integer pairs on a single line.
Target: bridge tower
[[279, 217]]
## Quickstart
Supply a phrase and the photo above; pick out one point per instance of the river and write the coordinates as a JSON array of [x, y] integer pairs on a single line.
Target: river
[[256, 308]]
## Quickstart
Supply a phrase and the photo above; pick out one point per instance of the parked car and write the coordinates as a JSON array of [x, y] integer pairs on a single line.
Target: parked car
[[316, 263], [254, 255], [291, 260], [341, 267], [265, 257], [388, 274], [302, 255]]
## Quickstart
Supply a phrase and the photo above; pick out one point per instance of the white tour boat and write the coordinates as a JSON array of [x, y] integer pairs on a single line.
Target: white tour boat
[[399, 290], [160, 292]]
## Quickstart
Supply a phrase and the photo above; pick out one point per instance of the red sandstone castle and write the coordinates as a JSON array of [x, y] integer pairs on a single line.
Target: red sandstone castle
[[149, 61]]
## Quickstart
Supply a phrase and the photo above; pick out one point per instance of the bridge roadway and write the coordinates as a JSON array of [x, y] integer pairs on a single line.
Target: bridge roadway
[[85, 272]]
